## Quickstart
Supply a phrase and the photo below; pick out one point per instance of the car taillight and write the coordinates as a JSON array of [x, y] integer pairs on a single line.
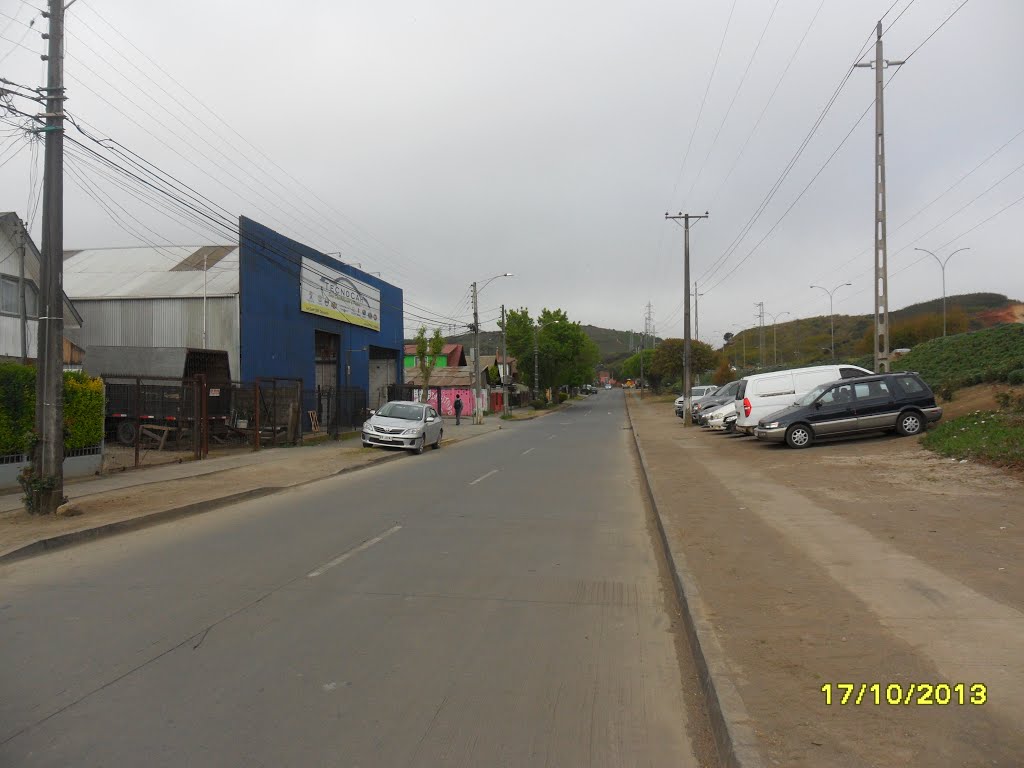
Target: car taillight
[[746, 406]]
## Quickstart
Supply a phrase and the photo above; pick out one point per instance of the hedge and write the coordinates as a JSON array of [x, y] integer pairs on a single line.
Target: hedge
[[83, 409]]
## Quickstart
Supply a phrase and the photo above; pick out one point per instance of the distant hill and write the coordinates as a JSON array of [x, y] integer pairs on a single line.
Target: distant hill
[[807, 339]]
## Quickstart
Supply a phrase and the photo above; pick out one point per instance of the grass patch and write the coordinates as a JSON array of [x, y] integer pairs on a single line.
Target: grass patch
[[992, 437]]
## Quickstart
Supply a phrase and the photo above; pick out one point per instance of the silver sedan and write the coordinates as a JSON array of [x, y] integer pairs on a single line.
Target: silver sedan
[[399, 424]]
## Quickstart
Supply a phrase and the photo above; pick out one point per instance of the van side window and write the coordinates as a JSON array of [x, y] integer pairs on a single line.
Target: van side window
[[871, 390], [910, 385], [850, 373]]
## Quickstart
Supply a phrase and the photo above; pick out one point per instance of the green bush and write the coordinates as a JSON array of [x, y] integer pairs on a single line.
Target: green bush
[[538, 405], [83, 409], [1015, 377], [562, 397], [17, 407]]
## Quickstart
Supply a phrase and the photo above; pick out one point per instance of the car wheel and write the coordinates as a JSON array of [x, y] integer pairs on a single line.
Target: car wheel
[[417, 447], [366, 444], [799, 436], [910, 423], [126, 433], [440, 437]]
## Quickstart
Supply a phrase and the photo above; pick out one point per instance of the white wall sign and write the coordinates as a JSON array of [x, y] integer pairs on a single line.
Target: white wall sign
[[330, 293]]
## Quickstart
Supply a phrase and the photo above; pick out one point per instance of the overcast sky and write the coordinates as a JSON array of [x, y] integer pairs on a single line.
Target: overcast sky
[[446, 142]]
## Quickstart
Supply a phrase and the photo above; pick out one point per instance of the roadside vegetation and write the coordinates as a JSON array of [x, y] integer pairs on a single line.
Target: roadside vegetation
[[992, 355], [991, 437]]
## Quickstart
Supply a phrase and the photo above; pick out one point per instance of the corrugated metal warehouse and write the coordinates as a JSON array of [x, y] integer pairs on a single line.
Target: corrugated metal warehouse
[[279, 308]]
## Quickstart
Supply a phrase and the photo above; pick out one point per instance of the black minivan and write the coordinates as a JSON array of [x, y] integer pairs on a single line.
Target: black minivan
[[900, 402]]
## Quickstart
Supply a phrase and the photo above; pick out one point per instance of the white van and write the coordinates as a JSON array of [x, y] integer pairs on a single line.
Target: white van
[[763, 394]]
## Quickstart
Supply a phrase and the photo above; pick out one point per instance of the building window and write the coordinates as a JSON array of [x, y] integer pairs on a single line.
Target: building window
[[9, 304]]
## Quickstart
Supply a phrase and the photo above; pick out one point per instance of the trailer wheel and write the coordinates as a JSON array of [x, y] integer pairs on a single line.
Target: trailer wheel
[[126, 433]]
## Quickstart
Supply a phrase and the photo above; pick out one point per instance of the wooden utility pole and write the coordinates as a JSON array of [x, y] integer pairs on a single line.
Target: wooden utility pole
[[687, 351], [48, 458]]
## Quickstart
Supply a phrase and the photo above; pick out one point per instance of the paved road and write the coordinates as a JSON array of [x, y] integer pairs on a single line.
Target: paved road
[[493, 603]]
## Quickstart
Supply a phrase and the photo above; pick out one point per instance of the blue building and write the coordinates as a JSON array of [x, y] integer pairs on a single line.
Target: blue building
[[277, 307], [305, 314]]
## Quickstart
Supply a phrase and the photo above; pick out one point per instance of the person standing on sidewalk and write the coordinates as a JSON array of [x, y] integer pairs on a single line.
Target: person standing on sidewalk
[[458, 409]]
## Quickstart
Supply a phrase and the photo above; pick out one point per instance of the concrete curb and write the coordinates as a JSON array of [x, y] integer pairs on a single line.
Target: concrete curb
[[731, 725], [59, 541]]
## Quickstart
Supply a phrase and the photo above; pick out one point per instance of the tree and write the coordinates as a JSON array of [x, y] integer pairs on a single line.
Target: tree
[[427, 353], [668, 358], [566, 355], [724, 372]]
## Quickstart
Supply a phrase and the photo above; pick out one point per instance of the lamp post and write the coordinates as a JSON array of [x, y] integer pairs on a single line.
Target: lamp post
[[831, 315], [775, 340], [478, 415], [942, 264]]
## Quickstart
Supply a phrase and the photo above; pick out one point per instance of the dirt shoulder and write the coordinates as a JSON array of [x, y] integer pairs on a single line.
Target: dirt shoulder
[[865, 561]]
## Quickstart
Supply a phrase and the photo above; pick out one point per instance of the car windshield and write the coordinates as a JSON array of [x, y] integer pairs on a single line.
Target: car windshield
[[407, 411], [813, 395]]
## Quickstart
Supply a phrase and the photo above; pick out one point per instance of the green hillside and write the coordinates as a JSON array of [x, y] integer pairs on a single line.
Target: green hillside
[[807, 340], [991, 354]]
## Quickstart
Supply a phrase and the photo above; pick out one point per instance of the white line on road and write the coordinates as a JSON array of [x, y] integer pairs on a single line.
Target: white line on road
[[526, 451], [484, 477], [354, 551]]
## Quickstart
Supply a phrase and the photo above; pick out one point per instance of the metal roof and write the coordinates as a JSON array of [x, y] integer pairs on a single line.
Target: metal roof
[[171, 271]]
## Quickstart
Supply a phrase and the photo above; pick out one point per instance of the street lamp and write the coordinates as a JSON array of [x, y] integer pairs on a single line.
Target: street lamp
[[478, 416], [775, 344], [831, 315], [943, 265]]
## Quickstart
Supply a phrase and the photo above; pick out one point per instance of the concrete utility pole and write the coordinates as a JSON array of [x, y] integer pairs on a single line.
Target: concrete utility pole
[[478, 411], [48, 458], [943, 264], [22, 309], [687, 351], [477, 416], [881, 286], [696, 313], [504, 368], [831, 314]]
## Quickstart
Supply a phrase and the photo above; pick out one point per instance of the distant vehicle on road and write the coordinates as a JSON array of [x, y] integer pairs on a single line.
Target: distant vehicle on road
[[899, 402], [763, 394], [607, 386], [401, 424]]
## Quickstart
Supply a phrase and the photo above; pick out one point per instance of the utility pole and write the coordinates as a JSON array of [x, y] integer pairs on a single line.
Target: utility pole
[[22, 309], [687, 351], [48, 458], [504, 366], [477, 415], [942, 265], [881, 283]]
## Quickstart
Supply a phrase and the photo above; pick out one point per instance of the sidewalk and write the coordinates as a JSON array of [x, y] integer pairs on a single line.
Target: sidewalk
[[854, 562], [139, 497]]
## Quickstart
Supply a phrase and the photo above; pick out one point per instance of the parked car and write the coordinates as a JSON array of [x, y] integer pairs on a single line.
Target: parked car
[[720, 419], [696, 393], [400, 424], [763, 394], [719, 397], [899, 402]]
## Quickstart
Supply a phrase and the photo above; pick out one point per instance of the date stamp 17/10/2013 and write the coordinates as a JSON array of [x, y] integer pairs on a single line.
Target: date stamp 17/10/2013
[[905, 694]]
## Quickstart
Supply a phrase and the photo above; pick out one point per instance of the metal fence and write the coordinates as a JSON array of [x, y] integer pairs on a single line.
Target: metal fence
[[332, 410], [157, 420]]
